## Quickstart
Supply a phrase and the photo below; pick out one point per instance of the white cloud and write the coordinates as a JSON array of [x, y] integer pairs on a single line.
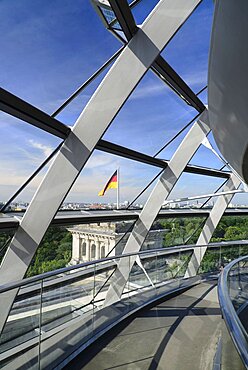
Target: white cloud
[[157, 88], [148, 90], [46, 150], [196, 78], [101, 160]]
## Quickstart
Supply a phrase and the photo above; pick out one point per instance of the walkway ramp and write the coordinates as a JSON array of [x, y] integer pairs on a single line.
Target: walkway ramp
[[181, 333]]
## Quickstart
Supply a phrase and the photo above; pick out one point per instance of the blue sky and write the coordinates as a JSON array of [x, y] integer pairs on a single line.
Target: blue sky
[[48, 49]]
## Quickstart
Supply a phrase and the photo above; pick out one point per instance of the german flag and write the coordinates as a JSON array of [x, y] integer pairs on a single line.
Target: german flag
[[111, 184]]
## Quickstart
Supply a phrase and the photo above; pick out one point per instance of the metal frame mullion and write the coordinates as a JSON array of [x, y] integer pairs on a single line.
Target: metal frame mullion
[[175, 136], [169, 75], [124, 17], [11, 104], [131, 6], [43, 164], [124, 152], [12, 219], [17, 107], [88, 82]]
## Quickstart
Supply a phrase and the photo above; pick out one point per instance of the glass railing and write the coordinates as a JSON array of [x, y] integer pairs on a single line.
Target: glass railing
[[233, 298], [57, 314]]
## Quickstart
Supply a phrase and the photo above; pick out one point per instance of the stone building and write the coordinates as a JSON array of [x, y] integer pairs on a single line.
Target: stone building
[[95, 241]]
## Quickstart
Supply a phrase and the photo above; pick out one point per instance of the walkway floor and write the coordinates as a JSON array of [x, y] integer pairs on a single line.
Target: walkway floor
[[179, 334]]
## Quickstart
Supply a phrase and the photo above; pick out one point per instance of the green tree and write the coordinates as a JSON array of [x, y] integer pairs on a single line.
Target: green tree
[[54, 251]]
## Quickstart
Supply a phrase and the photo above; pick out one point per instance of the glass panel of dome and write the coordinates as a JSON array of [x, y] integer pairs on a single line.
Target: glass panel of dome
[[49, 50], [188, 50], [105, 11], [239, 201], [54, 252], [23, 149], [171, 145], [134, 176], [75, 244], [72, 111], [180, 231], [150, 117], [207, 157], [203, 96], [142, 10], [231, 228], [23, 199], [190, 185]]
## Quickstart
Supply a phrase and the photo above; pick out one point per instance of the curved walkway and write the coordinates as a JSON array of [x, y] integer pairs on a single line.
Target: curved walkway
[[178, 334]]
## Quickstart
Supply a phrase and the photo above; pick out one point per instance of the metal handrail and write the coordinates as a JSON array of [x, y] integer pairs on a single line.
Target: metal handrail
[[167, 250], [37, 278], [233, 323]]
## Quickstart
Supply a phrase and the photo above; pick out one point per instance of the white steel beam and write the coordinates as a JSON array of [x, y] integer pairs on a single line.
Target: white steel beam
[[162, 189], [211, 224]]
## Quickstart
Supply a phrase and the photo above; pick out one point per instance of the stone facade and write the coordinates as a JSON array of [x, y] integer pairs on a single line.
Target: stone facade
[[96, 241]]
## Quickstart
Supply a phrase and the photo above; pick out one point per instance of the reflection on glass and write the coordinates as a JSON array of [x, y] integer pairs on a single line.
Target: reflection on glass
[[22, 329], [235, 328]]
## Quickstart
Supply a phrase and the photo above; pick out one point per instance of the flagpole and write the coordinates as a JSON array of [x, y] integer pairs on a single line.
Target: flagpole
[[118, 189]]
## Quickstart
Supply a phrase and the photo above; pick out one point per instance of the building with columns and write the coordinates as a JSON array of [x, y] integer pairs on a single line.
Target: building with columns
[[95, 241]]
